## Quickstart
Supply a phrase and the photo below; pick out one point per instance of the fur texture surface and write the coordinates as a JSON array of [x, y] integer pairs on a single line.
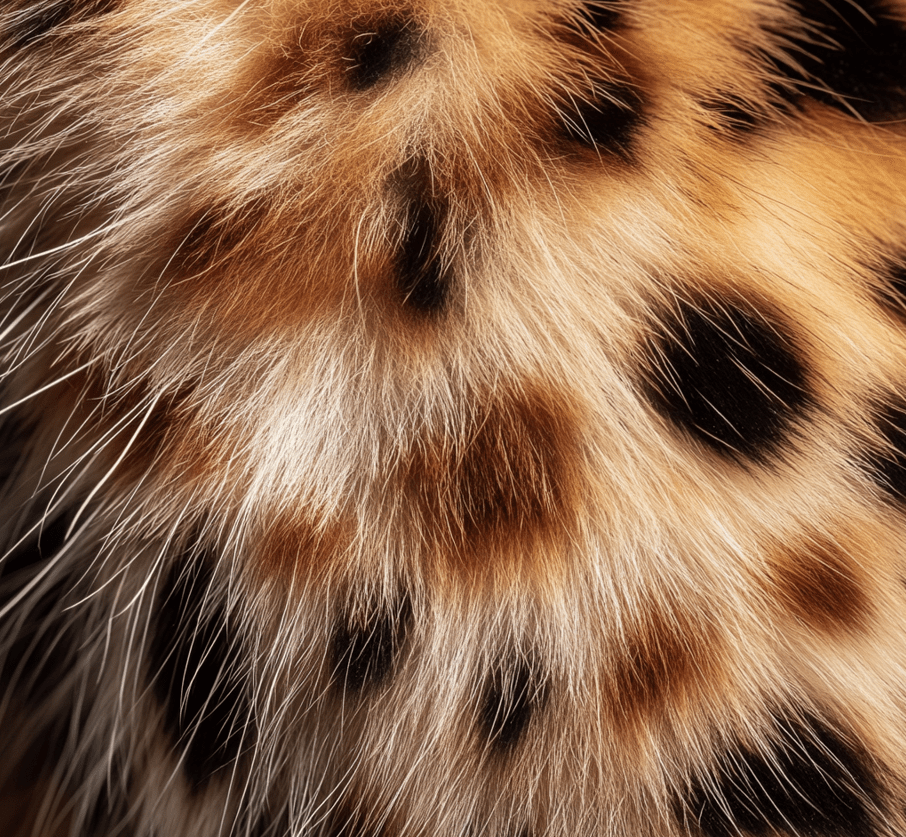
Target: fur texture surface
[[459, 418]]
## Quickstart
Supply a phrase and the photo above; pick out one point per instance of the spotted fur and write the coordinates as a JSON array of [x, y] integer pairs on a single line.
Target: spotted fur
[[453, 417]]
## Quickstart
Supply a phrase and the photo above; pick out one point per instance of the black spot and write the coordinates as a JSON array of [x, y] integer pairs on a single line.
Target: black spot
[[728, 375], [377, 52], [893, 287], [14, 435], [783, 96], [35, 552], [603, 17], [43, 650], [47, 747], [109, 814], [355, 818], [272, 825], [852, 57], [888, 465], [39, 19], [608, 120], [812, 783], [422, 275], [364, 650], [898, 279], [194, 663], [734, 115], [210, 238], [511, 695]]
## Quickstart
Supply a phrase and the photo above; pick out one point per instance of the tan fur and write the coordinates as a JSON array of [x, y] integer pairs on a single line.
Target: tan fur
[[202, 225]]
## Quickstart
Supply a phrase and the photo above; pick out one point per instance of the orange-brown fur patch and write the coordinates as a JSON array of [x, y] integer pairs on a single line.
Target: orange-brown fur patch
[[663, 665], [355, 816], [158, 435], [238, 266], [302, 547], [207, 239], [505, 479], [302, 57], [819, 582], [279, 79]]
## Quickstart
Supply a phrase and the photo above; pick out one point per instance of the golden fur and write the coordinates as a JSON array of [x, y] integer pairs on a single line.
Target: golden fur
[[346, 333]]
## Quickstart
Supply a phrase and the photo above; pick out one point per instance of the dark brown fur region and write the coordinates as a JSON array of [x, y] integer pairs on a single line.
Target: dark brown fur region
[[424, 418]]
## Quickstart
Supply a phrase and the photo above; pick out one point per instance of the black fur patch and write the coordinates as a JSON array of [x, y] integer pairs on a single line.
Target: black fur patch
[[364, 651], [49, 746], [812, 783], [423, 278], [729, 375], [38, 19], [14, 434], [511, 696], [853, 58], [352, 818], [379, 51], [898, 278], [734, 116], [37, 660], [601, 16], [194, 662], [271, 825], [893, 287], [47, 542], [888, 466], [110, 813], [608, 120], [43, 650]]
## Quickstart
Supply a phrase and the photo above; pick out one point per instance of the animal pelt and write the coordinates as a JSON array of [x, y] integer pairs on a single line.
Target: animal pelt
[[459, 418]]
